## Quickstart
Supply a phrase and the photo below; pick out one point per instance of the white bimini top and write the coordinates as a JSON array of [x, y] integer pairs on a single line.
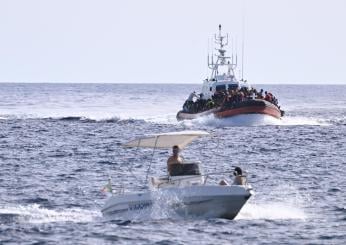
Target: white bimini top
[[166, 140]]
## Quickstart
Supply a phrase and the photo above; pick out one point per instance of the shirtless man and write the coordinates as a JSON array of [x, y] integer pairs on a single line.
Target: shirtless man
[[174, 159]]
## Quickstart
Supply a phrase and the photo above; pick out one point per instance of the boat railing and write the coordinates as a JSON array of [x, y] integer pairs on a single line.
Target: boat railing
[[206, 176], [118, 190], [223, 172], [181, 181]]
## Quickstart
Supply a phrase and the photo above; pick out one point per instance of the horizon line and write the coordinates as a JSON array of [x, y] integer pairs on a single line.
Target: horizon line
[[171, 83]]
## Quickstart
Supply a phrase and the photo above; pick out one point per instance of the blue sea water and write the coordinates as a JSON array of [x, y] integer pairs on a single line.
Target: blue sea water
[[59, 143]]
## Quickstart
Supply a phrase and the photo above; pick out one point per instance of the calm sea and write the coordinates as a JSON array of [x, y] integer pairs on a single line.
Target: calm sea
[[59, 143]]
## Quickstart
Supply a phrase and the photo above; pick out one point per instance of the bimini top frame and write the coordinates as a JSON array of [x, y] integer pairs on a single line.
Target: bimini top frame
[[165, 140]]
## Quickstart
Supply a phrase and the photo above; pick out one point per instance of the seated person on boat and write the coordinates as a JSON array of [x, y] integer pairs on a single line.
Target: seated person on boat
[[174, 159], [239, 178], [176, 167]]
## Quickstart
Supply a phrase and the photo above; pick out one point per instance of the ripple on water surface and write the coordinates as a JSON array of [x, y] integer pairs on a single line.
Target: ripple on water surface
[[57, 155]]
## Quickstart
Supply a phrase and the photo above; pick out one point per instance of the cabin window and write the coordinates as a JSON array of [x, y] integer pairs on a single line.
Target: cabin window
[[210, 89], [220, 87], [232, 86]]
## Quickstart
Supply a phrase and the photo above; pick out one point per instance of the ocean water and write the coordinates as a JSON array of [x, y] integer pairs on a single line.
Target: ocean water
[[59, 143]]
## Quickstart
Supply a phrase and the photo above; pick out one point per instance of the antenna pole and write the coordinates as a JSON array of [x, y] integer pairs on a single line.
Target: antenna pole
[[242, 44]]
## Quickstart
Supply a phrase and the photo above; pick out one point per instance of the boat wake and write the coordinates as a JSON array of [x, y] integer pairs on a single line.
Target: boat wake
[[210, 120], [36, 214], [285, 202], [271, 211], [253, 120], [296, 121]]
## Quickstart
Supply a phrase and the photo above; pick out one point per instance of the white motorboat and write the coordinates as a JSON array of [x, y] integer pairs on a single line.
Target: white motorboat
[[184, 191]]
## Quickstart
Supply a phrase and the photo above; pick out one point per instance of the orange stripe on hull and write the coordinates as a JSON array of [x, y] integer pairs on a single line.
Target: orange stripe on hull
[[268, 110]]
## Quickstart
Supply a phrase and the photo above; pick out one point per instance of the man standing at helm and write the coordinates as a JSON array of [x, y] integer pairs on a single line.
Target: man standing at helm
[[174, 159]]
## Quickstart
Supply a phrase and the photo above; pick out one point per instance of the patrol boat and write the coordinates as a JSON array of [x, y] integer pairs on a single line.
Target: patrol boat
[[184, 191], [223, 95]]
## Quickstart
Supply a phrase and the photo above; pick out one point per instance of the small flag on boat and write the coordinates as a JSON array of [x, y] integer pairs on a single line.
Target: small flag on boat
[[108, 187]]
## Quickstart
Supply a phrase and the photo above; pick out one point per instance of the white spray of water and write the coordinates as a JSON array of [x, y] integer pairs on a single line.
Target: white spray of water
[[165, 204], [36, 214], [283, 202], [271, 211], [286, 121], [252, 120]]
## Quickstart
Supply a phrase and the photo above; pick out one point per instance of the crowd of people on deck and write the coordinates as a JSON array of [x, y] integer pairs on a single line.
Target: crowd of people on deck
[[227, 98]]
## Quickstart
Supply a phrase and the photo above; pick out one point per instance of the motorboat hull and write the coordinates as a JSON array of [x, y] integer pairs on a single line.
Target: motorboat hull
[[193, 201], [247, 107]]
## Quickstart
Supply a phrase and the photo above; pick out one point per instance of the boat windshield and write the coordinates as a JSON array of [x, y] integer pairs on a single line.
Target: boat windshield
[[185, 169], [220, 87]]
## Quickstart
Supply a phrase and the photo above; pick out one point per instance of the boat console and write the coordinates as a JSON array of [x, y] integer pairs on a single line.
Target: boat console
[[186, 174], [185, 169]]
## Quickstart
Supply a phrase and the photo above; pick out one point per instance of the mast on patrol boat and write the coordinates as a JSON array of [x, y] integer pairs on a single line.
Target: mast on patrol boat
[[221, 58]]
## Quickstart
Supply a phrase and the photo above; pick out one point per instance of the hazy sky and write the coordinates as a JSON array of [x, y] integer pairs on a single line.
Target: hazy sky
[[286, 41]]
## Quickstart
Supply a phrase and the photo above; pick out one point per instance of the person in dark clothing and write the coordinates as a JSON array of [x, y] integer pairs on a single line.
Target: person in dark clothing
[[239, 179]]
